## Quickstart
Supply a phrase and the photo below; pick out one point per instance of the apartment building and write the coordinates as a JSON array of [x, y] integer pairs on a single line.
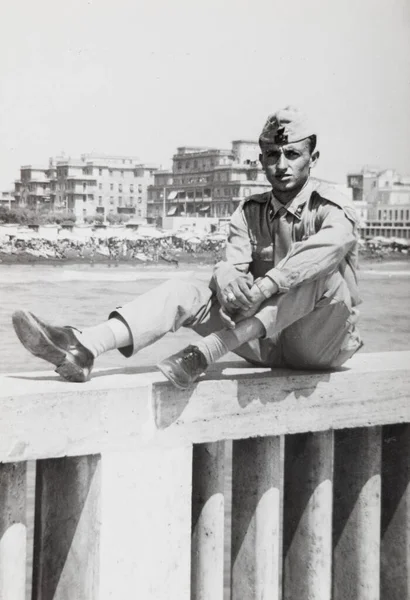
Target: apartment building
[[383, 196], [90, 185], [7, 199], [206, 182], [32, 190]]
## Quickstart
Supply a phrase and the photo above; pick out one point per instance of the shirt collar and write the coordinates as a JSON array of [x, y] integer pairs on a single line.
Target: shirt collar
[[294, 206]]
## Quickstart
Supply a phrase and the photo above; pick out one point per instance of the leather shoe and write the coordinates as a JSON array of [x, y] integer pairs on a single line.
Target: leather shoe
[[57, 345], [184, 368]]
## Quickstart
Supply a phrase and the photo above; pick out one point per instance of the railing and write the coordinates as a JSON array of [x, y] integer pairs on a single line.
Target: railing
[[129, 499]]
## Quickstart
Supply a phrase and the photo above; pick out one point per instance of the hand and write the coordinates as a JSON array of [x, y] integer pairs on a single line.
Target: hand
[[226, 319], [258, 299], [236, 295], [256, 293], [230, 317]]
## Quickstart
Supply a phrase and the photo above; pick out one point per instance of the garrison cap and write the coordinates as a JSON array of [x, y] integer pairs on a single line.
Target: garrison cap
[[285, 126]]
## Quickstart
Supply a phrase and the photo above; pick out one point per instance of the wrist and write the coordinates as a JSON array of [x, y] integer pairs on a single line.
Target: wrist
[[267, 286]]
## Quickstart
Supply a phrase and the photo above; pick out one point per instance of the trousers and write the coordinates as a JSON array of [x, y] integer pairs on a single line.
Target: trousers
[[311, 326]]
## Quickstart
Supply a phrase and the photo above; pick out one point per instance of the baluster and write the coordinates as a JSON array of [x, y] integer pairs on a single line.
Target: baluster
[[356, 516], [12, 531], [66, 529], [395, 535], [308, 516], [257, 467], [207, 546], [146, 524]]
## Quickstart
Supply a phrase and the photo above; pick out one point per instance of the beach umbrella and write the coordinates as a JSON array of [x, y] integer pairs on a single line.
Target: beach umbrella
[[194, 240]]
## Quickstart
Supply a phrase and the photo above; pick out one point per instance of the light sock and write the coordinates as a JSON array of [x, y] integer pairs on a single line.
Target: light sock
[[110, 335], [216, 345]]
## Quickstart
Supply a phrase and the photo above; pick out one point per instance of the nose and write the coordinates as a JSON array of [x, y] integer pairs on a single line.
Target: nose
[[282, 163]]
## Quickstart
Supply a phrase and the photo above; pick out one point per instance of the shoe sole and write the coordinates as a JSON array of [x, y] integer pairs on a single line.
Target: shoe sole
[[35, 340], [169, 375]]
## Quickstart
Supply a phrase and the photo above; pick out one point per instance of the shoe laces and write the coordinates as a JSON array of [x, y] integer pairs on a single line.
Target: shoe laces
[[193, 359]]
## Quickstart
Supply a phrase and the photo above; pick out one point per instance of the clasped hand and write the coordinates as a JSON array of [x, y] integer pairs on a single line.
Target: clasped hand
[[241, 298]]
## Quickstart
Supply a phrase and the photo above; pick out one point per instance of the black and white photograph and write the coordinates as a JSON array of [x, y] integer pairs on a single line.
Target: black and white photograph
[[204, 290]]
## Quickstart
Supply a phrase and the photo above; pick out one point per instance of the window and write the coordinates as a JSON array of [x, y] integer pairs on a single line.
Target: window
[[131, 187], [100, 186], [100, 171], [120, 187], [122, 173], [119, 200], [140, 189], [111, 186], [100, 200], [131, 200], [111, 199]]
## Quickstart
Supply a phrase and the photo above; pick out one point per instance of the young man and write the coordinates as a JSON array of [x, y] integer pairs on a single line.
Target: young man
[[283, 296]]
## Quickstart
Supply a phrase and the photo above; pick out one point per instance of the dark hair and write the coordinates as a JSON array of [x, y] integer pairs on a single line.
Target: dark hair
[[312, 141]]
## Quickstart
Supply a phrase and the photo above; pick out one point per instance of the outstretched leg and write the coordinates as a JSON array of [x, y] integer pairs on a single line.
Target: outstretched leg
[[129, 328]]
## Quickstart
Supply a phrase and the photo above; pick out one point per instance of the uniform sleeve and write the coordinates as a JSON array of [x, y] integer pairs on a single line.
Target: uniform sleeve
[[318, 255], [238, 252]]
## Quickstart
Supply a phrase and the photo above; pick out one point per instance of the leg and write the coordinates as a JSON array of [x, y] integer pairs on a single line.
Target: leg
[[165, 308], [130, 328], [306, 327], [324, 338]]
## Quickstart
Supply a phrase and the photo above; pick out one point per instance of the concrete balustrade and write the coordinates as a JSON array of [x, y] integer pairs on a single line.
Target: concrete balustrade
[[130, 483]]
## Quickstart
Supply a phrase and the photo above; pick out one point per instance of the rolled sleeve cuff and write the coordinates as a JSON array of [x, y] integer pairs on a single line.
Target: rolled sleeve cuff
[[279, 279], [267, 286]]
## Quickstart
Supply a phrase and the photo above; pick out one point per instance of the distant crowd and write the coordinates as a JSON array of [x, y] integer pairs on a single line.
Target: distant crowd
[[154, 249], [166, 248]]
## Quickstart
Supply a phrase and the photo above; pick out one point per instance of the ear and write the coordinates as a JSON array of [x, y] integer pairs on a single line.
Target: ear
[[314, 158]]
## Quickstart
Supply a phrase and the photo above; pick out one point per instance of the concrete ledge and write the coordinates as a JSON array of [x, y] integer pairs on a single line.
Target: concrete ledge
[[42, 416]]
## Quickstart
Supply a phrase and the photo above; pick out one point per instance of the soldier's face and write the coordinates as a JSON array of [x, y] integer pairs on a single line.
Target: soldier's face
[[287, 167]]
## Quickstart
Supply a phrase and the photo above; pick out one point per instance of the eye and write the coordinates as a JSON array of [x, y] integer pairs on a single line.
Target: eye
[[273, 154], [292, 154]]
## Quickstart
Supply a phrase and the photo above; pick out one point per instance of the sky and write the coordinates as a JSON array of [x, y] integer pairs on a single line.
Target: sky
[[142, 77]]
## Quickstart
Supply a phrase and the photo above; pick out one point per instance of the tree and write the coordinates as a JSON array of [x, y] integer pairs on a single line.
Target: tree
[[117, 219]]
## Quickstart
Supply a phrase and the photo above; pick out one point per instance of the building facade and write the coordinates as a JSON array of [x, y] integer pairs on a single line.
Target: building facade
[[90, 185], [384, 201], [7, 200], [206, 182]]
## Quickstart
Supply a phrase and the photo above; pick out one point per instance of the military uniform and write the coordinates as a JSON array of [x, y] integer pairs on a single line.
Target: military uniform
[[311, 256]]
